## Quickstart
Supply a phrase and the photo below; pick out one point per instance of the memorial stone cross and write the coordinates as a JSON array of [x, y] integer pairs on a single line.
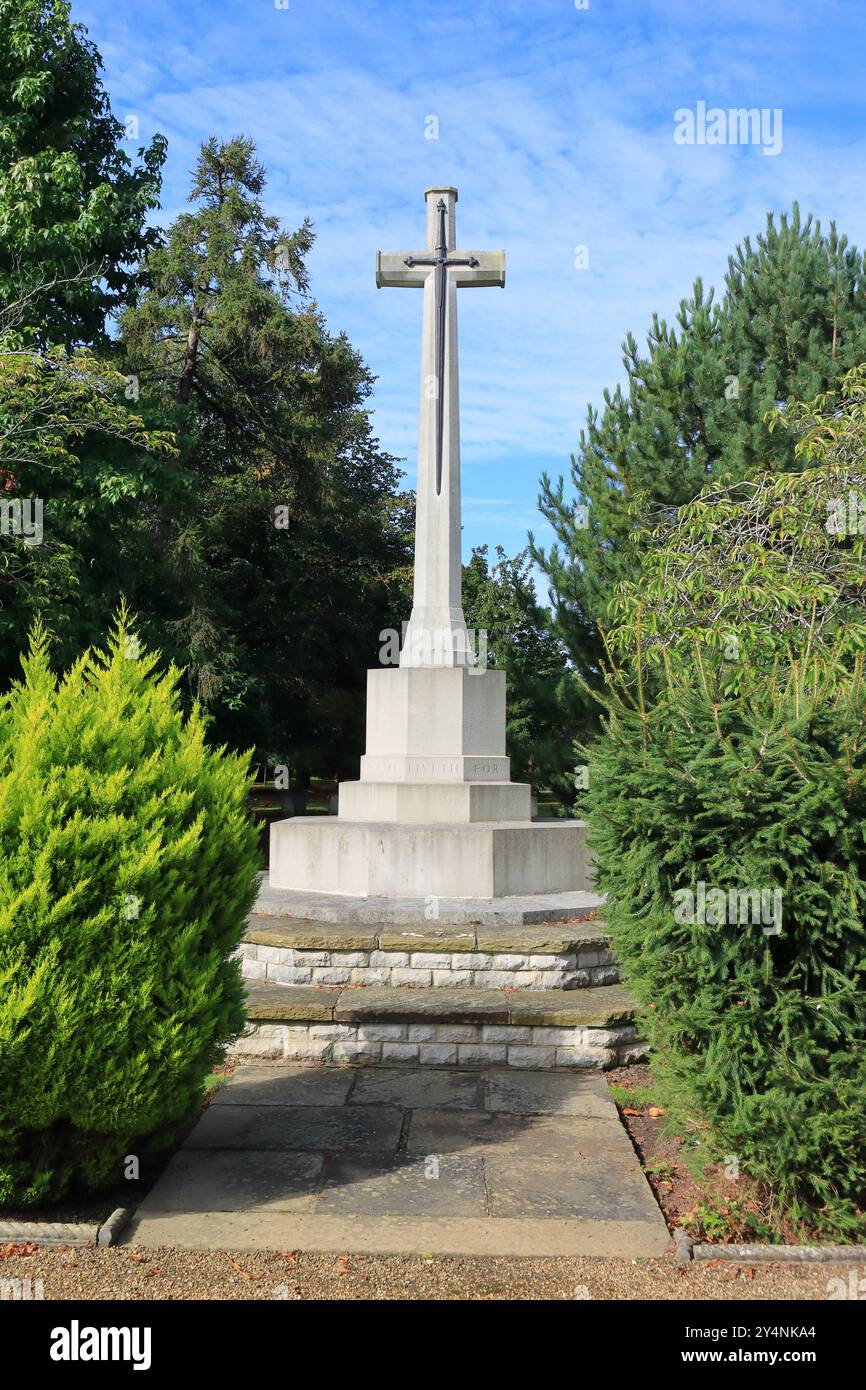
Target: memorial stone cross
[[436, 633]]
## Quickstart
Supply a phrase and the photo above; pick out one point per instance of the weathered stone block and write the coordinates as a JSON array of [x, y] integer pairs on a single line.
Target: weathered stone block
[[459, 979], [438, 1054], [458, 1032], [531, 1056], [382, 1032], [330, 975], [390, 959], [358, 1053], [399, 1052], [411, 977], [505, 1033], [430, 960], [289, 974], [421, 1032], [332, 1030], [350, 958], [481, 1052]]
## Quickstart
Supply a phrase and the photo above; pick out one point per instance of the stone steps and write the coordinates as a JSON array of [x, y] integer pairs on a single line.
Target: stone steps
[[557, 955], [589, 1028]]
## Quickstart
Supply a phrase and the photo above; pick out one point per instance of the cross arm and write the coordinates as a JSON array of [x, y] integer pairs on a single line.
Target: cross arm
[[393, 272], [488, 270]]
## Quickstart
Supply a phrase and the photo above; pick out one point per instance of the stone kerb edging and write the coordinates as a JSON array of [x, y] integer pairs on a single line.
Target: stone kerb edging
[[73, 1233], [687, 1249]]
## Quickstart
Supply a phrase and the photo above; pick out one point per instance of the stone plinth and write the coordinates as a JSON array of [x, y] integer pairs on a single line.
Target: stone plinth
[[435, 723], [484, 859], [452, 802]]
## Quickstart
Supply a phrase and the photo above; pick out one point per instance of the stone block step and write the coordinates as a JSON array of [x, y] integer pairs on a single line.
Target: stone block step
[[514, 910], [545, 956], [304, 934], [591, 1028]]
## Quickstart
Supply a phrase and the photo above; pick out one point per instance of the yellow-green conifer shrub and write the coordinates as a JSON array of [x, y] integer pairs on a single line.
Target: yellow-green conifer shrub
[[127, 868]]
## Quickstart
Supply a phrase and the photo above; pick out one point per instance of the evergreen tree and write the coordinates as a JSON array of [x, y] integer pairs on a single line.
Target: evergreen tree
[[70, 197], [542, 695], [289, 551], [791, 322]]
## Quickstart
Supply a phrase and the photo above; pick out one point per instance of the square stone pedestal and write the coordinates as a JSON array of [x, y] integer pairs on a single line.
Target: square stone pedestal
[[485, 859]]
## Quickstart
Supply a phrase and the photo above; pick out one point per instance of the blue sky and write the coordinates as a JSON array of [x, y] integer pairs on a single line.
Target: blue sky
[[556, 124]]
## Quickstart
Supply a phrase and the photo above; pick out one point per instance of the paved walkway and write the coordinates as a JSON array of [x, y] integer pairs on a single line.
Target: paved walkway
[[400, 1160]]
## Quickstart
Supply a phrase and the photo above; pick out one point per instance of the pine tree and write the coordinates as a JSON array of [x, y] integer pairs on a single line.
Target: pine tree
[[791, 322]]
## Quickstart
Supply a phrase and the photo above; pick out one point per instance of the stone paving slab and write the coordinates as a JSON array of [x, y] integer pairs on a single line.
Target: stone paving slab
[[430, 937], [401, 1160], [309, 935], [568, 1137], [553, 938], [383, 1235], [574, 1008], [415, 1187], [332, 1128], [548, 1093], [414, 1090], [422, 1005], [246, 1180], [286, 1086], [582, 1190], [289, 1003]]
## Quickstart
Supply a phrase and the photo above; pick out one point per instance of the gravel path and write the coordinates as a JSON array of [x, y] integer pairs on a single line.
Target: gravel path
[[125, 1272]]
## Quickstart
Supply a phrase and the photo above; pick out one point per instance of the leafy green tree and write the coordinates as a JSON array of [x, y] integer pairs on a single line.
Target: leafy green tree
[[70, 197], [767, 568], [543, 697], [693, 411], [74, 450], [290, 552]]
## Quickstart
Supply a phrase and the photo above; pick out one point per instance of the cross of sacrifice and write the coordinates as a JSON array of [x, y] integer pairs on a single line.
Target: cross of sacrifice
[[436, 634]]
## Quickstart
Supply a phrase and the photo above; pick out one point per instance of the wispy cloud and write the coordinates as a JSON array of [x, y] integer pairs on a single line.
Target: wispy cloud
[[556, 125]]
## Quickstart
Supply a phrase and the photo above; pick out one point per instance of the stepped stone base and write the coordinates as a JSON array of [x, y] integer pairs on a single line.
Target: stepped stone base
[[588, 963], [593, 1029], [290, 950], [485, 859], [433, 914]]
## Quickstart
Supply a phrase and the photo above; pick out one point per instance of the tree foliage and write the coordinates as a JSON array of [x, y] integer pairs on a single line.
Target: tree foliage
[[767, 567], [127, 868], [290, 551], [694, 411], [70, 196], [542, 695], [757, 1018]]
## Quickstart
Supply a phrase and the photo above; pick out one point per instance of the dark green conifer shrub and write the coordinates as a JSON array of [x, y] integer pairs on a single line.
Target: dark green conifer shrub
[[127, 868], [759, 1038]]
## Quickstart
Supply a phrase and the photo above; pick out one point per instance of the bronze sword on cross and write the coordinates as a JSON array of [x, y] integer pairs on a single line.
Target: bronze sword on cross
[[440, 260]]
